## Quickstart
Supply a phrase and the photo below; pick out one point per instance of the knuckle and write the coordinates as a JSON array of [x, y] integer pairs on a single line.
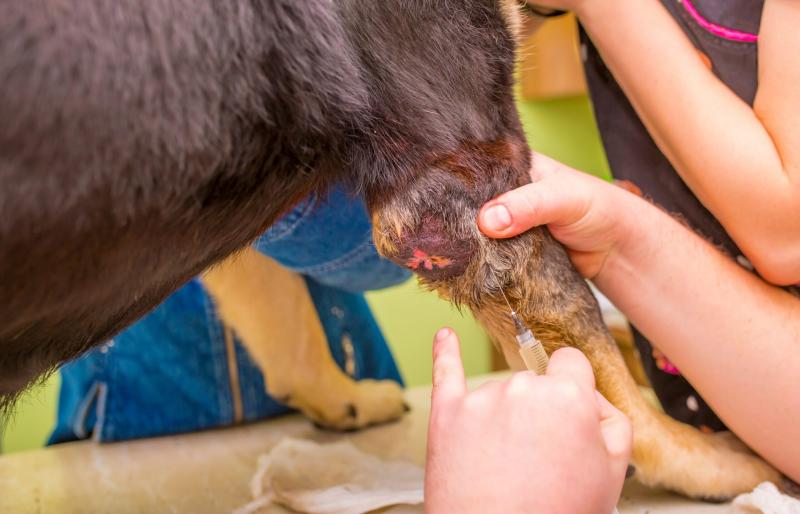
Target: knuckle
[[443, 373], [627, 433], [621, 452], [567, 391], [483, 395], [477, 404], [440, 419], [531, 204], [572, 355], [526, 387], [521, 381]]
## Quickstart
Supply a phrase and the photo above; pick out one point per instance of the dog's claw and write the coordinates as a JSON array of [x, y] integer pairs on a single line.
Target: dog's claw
[[352, 406]]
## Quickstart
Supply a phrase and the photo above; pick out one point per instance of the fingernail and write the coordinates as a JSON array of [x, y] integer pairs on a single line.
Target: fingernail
[[497, 217], [442, 334]]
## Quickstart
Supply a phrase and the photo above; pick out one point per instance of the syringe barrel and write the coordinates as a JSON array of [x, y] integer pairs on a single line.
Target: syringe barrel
[[524, 337], [534, 356]]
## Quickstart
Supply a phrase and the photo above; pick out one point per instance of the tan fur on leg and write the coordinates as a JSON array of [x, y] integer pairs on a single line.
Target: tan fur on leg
[[430, 226], [623, 336], [271, 310], [544, 288], [666, 453]]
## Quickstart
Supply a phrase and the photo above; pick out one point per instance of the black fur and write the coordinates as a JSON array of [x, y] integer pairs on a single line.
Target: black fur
[[142, 141]]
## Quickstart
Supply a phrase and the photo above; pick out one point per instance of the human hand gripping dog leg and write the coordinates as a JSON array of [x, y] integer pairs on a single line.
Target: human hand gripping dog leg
[[530, 443]]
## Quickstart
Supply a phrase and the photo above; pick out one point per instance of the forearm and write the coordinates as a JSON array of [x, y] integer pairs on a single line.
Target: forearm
[[734, 337], [724, 151]]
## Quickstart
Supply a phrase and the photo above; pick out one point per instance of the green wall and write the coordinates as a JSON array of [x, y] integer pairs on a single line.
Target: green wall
[[563, 129], [410, 316], [33, 418]]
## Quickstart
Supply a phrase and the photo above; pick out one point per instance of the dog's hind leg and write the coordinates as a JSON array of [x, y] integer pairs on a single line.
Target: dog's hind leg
[[430, 227], [562, 312], [270, 309], [668, 453]]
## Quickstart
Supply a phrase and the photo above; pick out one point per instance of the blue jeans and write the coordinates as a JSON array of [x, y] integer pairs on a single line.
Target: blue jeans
[[171, 372]]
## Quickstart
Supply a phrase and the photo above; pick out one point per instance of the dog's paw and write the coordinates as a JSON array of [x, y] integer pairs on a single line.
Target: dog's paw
[[352, 406], [709, 467]]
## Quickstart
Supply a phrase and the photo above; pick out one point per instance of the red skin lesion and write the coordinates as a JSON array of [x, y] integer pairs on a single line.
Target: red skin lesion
[[421, 259], [430, 250]]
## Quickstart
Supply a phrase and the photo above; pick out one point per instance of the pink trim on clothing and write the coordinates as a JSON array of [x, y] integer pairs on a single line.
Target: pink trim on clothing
[[670, 368], [718, 30]]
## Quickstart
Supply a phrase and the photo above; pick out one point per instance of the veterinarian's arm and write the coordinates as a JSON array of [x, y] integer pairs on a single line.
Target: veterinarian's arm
[[743, 163], [527, 444], [735, 337]]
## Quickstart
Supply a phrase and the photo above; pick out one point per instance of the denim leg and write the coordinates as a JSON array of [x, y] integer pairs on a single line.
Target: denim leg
[[170, 372], [329, 239]]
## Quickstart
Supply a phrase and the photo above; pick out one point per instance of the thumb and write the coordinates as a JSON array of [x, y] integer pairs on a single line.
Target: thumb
[[448, 371], [617, 434], [554, 199]]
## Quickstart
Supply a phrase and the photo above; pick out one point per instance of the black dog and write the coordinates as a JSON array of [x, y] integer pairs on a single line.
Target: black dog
[[141, 142]]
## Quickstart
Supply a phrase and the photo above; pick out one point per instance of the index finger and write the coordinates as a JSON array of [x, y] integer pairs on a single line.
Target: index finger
[[448, 371]]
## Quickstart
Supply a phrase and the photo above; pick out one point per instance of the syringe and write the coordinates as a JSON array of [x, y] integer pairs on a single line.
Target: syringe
[[530, 349]]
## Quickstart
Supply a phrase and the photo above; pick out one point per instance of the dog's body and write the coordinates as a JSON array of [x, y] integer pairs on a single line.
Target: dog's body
[[144, 141]]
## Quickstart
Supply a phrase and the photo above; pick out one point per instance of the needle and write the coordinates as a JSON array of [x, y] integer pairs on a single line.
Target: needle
[[506, 299], [530, 349]]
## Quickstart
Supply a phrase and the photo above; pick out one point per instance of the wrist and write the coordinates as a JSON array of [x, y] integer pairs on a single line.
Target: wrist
[[635, 238], [591, 11]]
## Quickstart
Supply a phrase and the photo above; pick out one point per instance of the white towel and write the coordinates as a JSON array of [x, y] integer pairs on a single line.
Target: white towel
[[333, 478], [766, 499]]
